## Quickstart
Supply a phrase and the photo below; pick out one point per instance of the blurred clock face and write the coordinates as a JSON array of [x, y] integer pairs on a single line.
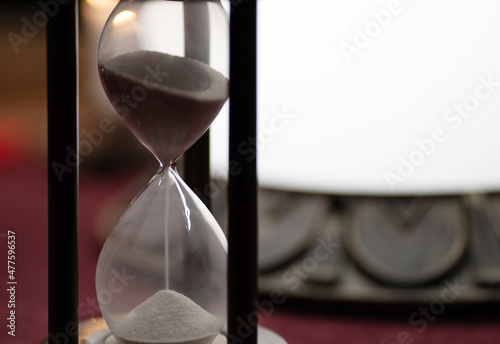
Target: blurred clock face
[[406, 241], [375, 97]]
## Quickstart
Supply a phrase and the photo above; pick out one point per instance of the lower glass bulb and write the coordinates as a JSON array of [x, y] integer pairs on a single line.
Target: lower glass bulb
[[161, 275]]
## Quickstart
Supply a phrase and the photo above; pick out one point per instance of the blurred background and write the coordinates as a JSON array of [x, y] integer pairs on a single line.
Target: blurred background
[[379, 180]]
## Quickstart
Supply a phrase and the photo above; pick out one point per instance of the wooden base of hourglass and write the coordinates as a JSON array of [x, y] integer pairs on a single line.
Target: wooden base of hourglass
[[95, 331]]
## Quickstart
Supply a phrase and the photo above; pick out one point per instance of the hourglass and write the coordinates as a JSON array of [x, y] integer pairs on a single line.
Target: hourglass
[[161, 275]]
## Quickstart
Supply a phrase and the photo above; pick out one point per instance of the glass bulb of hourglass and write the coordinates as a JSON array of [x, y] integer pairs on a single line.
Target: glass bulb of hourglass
[[161, 275]]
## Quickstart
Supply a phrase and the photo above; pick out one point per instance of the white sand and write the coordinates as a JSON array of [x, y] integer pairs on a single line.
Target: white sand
[[167, 317]]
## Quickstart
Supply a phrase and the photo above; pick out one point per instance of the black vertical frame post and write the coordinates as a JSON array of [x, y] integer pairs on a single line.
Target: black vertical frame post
[[62, 102], [197, 46], [242, 187]]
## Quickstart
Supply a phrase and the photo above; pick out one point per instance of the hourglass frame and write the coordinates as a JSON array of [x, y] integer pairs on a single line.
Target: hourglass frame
[[94, 330]]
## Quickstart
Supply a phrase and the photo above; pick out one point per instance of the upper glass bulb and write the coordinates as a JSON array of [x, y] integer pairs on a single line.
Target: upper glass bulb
[[164, 66]]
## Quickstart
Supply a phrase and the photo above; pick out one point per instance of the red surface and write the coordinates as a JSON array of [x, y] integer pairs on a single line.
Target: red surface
[[23, 209]]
